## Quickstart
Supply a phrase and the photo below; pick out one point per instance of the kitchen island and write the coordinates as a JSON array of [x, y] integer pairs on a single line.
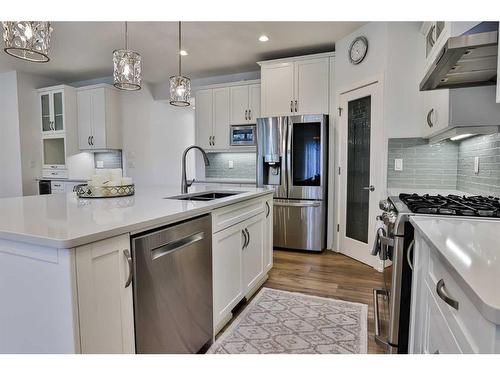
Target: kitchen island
[[64, 264], [455, 300]]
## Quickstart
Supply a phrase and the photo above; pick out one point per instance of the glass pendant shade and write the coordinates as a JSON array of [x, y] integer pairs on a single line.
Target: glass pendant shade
[[127, 67], [127, 70], [180, 91], [27, 40], [180, 86]]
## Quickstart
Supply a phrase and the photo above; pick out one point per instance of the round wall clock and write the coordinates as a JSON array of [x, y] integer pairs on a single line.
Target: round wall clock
[[358, 50]]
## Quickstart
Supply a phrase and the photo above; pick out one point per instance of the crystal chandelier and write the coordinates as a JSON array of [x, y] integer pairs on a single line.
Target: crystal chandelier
[[127, 68], [27, 40], [180, 86]]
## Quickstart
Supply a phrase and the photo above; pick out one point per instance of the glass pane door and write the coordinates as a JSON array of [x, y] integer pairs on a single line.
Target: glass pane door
[[53, 151], [45, 113], [358, 168], [306, 148], [58, 111]]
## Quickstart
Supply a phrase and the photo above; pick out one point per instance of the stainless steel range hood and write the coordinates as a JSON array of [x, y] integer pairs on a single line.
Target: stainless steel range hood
[[466, 60]]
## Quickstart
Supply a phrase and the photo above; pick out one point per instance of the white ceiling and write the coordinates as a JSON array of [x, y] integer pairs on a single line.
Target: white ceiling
[[82, 50]]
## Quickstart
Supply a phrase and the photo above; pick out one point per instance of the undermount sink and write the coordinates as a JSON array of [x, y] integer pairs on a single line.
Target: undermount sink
[[205, 196]]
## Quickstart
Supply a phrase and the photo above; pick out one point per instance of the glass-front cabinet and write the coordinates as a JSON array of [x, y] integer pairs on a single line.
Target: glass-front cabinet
[[52, 111]]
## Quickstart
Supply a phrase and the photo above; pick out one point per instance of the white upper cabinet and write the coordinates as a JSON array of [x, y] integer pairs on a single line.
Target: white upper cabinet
[[245, 104], [204, 118], [311, 86], [52, 106], [297, 86], [220, 106], [221, 111], [98, 118], [277, 89], [435, 114]]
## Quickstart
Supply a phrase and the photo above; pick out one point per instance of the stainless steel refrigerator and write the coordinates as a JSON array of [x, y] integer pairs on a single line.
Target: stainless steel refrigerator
[[292, 154]]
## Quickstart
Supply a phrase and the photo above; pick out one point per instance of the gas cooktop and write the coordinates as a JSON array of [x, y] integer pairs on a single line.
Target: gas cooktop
[[480, 206]]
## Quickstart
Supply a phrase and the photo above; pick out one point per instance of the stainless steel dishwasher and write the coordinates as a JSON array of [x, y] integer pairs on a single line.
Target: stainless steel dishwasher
[[173, 288]]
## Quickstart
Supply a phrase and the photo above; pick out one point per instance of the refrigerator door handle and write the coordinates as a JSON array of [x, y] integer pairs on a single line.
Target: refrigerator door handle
[[298, 204], [289, 156]]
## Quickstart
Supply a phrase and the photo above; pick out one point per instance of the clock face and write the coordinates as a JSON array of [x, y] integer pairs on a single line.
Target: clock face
[[358, 49]]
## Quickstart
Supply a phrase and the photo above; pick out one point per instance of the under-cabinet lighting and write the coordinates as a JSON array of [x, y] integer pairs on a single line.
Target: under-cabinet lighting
[[461, 136]]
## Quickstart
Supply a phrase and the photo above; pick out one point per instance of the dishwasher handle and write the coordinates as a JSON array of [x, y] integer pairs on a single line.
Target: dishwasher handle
[[176, 245]]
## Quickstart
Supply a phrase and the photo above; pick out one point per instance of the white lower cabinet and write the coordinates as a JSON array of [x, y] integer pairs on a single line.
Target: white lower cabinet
[[105, 303], [226, 265], [439, 325], [241, 255]]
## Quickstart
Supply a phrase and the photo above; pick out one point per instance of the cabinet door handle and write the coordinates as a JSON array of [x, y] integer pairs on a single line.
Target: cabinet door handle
[[431, 36], [268, 210], [291, 106], [444, 296], [92, 140], [296, 106], [429, 118], [249, 114], [88, 140], [130, 267], [246, 114], [245, 239], [213, 141], [248, 234], [408, 253]]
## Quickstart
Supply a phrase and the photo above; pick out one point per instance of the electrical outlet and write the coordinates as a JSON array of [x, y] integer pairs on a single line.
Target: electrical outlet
[[476, 165], [100, 163], [231, 164], [398, 165]]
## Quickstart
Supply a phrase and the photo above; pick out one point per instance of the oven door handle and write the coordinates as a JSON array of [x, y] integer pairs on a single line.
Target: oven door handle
[[379, 339]]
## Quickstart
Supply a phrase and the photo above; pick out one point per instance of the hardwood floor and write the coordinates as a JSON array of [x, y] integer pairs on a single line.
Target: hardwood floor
[[327, 274]]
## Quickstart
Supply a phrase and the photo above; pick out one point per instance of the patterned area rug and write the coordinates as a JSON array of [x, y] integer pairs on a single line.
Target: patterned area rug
[[276, 322]]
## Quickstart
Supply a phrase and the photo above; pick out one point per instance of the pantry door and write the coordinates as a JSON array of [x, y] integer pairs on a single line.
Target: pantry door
[[361, 170]]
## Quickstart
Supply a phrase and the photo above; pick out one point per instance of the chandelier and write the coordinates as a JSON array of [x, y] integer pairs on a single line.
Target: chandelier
[[180, 86], [27, 40], [127, 69]]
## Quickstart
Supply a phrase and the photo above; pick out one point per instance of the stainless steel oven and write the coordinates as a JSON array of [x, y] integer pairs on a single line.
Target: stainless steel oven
[[242, 135]]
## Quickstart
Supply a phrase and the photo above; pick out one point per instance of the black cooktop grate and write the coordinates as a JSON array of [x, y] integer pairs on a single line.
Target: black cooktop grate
[[452, 205]]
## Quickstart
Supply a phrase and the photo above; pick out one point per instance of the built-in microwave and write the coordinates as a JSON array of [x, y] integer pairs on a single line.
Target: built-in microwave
[[242, 135]]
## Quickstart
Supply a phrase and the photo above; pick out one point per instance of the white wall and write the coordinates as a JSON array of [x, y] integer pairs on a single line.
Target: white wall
[[10, 145], [154, 136], [394, 55], [29, 128]]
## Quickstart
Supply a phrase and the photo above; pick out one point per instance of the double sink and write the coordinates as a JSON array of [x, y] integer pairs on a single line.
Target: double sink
[[205, 196]]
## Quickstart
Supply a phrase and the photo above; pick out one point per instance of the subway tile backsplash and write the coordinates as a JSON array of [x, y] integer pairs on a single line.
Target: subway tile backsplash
[[243, 165], [424, 165], [487, 181], [446, 165], [111, 159]]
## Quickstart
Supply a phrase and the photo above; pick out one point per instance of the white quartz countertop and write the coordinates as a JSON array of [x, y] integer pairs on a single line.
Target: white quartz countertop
[[471, 247], [65, 221]]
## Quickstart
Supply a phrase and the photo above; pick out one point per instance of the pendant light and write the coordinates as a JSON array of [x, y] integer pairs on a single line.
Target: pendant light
[[27, 40], [127, 68], [180, 86]]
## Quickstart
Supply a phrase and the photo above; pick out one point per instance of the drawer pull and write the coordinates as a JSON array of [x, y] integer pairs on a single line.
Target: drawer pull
[[442, 294]]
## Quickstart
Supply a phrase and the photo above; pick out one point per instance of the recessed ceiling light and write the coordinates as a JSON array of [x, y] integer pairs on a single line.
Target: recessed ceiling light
[[183, 52], [263, 38]]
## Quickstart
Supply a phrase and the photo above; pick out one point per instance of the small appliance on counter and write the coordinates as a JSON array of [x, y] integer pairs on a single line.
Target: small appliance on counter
[[395, 244], [292, 159]]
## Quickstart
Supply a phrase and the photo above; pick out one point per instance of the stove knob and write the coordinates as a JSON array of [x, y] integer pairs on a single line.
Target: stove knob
[[385, 205]]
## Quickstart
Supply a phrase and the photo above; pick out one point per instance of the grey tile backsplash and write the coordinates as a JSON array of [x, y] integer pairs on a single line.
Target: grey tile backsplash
[[111, 159], [424, 165], [446, 165], [243, 165], [487, 181]]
